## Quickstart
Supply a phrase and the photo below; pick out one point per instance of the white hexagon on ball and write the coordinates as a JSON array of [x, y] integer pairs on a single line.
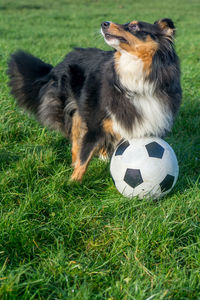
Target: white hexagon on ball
[[145, 167]]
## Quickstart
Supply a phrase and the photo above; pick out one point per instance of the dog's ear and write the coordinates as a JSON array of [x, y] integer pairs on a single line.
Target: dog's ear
[[167, 26]]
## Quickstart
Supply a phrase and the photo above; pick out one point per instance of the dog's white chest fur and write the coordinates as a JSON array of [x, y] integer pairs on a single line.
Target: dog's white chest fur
[[156, 117]]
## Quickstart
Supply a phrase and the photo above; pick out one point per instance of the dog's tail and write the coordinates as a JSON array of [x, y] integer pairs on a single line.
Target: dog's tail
[[36, 90], [27, 75]]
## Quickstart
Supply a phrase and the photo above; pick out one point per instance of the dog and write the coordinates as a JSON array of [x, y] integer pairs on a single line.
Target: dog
[[98, 98]]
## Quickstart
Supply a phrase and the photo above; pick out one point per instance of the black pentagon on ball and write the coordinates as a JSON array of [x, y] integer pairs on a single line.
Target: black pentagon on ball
[[167, 183], [133, 177], [155, 150], [120, 150]]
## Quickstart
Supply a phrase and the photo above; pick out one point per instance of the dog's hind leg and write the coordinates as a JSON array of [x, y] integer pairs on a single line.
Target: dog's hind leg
[[103, 155]]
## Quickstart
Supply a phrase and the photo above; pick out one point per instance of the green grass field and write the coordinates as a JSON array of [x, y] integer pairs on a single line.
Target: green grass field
[[85, 241]]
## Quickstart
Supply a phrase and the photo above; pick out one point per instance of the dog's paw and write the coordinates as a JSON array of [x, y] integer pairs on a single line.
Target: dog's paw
[[103, 155], [78, 173]]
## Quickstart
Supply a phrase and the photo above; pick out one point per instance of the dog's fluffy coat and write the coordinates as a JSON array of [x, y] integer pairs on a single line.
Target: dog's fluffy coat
[[96, 98]]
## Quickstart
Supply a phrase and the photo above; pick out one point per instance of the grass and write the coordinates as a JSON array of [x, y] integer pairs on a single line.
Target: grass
[[64, 241]]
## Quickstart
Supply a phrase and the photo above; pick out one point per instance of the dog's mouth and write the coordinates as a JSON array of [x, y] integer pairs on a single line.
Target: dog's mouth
[[109, 37]]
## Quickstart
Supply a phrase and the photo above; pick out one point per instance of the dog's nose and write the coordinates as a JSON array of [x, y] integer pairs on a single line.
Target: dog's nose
[[105, 24]]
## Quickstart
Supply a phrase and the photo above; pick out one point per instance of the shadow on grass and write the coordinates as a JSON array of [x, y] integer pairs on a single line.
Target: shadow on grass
[[185, 140], [14, 6], [30, 6], [7, 158], [3, 7]]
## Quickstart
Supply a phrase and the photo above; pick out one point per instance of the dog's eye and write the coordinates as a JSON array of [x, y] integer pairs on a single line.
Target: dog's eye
[[133, 27]]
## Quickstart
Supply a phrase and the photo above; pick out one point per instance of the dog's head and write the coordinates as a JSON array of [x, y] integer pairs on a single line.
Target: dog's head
[[140, 39]]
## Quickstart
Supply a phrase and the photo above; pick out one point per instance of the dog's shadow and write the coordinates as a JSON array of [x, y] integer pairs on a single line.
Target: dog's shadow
[[97, 175], [7, 158]]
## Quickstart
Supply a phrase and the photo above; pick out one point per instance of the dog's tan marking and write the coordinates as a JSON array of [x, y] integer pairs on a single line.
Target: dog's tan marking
[[108, 128], [117, 56], [103, 152], [113, 27], [166, 29], [134, 22]]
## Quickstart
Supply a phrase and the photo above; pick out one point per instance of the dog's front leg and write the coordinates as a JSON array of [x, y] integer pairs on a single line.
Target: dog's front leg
[[89, 145], [77, 133]]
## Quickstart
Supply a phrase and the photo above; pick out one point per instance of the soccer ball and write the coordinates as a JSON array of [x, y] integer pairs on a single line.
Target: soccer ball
[[144, 167]]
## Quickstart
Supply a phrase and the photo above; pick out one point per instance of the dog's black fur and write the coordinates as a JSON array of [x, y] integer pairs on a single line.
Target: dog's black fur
[[87, 84]]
